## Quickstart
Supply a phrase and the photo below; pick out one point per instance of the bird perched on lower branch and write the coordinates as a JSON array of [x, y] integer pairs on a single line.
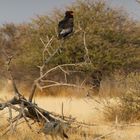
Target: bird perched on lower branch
[[65, 26]]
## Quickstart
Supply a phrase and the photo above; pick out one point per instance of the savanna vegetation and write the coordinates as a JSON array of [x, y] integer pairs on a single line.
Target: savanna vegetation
[[111, 38], [112, 67]]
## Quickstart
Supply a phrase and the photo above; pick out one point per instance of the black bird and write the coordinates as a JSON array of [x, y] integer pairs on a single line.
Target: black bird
[[65, 26]]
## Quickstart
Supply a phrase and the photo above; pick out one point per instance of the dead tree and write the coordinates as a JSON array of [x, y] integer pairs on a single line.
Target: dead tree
[[27, 110]]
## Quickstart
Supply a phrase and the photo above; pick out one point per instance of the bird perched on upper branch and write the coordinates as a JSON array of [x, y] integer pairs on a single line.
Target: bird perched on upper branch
[[65, 26]]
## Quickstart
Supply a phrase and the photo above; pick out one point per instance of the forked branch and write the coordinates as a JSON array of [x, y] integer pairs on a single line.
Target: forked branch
[[25, 108]]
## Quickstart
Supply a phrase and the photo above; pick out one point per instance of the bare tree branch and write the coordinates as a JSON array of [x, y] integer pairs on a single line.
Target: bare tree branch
[[87, 59], [27, 110]]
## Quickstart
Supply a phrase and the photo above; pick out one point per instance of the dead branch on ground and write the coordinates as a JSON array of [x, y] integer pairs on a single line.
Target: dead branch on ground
[[28, 111]]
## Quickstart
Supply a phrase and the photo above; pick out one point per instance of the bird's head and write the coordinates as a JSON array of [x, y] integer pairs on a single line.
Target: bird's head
[[69, 14]]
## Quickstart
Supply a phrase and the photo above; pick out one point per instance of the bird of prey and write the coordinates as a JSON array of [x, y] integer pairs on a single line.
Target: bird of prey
[[65, 26]]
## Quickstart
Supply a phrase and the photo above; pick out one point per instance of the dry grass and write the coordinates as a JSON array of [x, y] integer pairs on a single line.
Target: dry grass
[[126, 133], [85, 109]]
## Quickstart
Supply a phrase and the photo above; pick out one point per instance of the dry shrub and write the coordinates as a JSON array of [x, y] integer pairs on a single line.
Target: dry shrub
[[127, 106], [130, 108]]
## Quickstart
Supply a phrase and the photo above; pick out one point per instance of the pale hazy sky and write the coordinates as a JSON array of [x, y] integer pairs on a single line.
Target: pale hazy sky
[[132, 7], [18, 11]]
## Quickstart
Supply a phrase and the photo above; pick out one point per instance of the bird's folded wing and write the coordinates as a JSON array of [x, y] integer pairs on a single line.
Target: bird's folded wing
[[65, 31]]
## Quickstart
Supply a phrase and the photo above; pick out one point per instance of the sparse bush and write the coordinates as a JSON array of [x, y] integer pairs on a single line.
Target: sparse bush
[[127, 109], [130, 107], [127, 106]]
